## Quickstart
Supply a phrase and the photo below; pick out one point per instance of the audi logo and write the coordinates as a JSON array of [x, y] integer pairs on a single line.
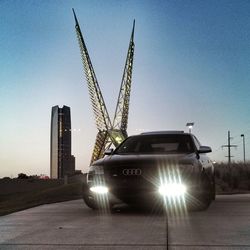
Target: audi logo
[[132, 171]]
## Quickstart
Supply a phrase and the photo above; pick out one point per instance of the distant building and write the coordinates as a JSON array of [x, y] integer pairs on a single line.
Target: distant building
[[62, 163]]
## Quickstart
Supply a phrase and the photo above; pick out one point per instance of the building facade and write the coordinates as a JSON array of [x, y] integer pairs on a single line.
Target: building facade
[[62, 163]]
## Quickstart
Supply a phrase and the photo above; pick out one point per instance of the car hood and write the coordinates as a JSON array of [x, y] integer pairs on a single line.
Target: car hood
[[145, 159]]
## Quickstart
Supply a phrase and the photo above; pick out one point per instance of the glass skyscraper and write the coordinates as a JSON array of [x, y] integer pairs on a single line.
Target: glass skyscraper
[[62, 163]]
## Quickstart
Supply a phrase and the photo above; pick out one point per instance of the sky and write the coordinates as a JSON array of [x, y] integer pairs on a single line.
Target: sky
[[191, 64]]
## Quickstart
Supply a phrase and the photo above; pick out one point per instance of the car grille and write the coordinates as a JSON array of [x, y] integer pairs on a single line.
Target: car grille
[[131, 178]]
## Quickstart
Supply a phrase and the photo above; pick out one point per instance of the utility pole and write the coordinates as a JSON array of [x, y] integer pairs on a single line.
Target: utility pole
[[229, 146], [244, 148]]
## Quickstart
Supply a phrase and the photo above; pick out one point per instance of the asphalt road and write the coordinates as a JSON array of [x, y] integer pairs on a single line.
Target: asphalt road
[[71, 225]]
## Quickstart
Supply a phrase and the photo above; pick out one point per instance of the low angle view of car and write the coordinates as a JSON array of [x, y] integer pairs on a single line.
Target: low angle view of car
[[152, 168]]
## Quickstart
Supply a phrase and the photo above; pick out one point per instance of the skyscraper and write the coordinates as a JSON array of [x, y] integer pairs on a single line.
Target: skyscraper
[[62, 163]]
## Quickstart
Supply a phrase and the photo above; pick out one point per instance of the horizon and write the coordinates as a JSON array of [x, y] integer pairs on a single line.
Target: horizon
[[191, 65]]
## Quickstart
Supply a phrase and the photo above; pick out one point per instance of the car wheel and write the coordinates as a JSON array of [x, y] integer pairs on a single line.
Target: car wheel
[[89, 201], [201, 200], [206, 195], [103, 204], [213, 189]]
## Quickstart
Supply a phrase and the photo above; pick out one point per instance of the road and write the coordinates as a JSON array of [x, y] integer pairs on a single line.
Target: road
[[71, 225]]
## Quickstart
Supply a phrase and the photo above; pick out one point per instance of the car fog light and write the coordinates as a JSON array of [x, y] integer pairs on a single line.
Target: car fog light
[[172, 189], [99, 189]]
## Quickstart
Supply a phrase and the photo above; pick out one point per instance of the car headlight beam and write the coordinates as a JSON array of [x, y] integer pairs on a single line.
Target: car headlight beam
[[99, 189], [172, 189]]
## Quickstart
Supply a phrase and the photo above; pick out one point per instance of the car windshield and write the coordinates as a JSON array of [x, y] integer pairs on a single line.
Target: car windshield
[[157, 144]]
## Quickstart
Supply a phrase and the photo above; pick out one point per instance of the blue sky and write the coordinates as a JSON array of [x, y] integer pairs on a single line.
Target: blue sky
[[192, 61]]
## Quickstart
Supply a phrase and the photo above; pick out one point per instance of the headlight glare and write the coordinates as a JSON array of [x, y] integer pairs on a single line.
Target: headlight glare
[[99, 189], [172, 189]]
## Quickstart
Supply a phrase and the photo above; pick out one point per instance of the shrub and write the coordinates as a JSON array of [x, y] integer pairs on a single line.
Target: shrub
[[233, 177]]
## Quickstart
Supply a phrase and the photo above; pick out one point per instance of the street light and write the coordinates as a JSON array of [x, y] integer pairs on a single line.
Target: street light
[[244, 151], [190, 126]]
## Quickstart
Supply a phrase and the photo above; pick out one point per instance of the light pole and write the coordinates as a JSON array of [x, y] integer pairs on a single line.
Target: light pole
[[190, 126], [244, 150]]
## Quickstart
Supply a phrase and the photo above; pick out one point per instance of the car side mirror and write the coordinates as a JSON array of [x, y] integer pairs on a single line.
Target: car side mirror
[[109, 151], [204, 149]]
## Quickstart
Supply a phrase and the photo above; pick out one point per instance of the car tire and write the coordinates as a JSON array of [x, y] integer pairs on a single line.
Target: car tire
[[87, 198], [213, 189], [91, 203], [199, 201], [207, 192]]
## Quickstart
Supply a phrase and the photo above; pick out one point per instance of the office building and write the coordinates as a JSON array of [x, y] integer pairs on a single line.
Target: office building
[[62, 163]]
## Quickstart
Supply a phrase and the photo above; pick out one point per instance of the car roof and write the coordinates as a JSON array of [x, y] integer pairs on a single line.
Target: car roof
[[167, 132]]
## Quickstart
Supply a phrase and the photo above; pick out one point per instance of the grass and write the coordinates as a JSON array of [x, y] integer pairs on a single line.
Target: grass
[[17, 202]]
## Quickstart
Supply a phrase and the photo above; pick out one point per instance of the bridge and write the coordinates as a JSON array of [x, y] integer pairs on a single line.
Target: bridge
[[109, 133]]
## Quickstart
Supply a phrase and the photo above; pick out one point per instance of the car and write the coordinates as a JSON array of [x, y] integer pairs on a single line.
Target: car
[[161, 167]]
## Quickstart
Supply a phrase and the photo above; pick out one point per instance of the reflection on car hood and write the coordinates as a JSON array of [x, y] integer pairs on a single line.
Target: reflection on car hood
[[148, 159]]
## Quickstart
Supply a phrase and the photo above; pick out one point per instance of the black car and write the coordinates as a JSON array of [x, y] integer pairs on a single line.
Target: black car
[[165, 167]]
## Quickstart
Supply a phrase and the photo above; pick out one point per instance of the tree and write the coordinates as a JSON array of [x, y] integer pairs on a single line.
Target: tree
[[22, 176]]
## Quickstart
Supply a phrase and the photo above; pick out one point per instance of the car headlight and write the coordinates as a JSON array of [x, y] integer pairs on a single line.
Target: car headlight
[[99, 189], [172, 189], [95, 173], [98, 170]]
